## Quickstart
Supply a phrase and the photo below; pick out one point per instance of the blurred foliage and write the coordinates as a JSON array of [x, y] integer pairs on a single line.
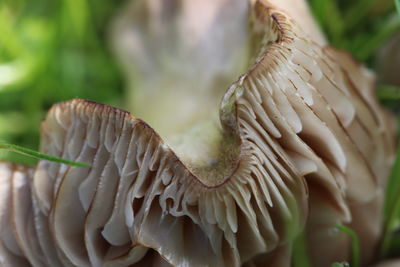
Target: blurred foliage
[[360, 27], [397, 3], [391, 238], [51, 51]]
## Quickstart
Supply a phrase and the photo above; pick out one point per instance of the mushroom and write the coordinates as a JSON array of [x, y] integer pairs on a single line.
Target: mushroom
[[16, 218], [388, 263], [302, 146]]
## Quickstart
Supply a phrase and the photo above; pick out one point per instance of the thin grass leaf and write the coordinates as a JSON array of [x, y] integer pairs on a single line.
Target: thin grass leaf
[[393, 188], [392, 207], [388, 92], [371, 44], [38, 155], [397, 4], [357, 13], [355, 245], [330, 17], [300, 252]]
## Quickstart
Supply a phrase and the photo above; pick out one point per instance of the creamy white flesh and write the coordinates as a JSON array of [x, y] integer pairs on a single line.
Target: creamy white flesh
[[182, 57]]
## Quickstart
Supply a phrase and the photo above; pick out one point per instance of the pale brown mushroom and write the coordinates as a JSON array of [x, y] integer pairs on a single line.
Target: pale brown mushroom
[[388, 263], [303, 144]]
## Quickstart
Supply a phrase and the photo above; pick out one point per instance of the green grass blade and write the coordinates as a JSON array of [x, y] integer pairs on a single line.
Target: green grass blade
[[389, 27], [38, 155], [357, 13], [397, 4], [392, 206], [355, 245], [388, 92], [330, 18], [393, 187], [300, 256]]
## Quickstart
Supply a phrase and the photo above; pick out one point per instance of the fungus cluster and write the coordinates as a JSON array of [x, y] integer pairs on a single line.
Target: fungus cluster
[[302, 146]]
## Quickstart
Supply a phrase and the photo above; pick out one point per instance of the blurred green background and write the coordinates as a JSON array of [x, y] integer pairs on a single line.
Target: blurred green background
[[52, 51]]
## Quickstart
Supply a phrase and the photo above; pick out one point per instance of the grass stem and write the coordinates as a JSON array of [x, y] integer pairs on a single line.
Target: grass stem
[[38, 155]]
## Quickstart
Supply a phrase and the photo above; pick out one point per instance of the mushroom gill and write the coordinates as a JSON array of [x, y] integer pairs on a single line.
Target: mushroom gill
[[303, 145]]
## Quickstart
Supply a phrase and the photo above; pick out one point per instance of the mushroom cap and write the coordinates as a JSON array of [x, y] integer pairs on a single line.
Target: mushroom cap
[[304, 144], [388, 263], [18, 240], [138, 196]]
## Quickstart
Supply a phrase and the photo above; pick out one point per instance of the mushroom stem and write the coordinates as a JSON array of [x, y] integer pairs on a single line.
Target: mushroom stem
[[176, 87]]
